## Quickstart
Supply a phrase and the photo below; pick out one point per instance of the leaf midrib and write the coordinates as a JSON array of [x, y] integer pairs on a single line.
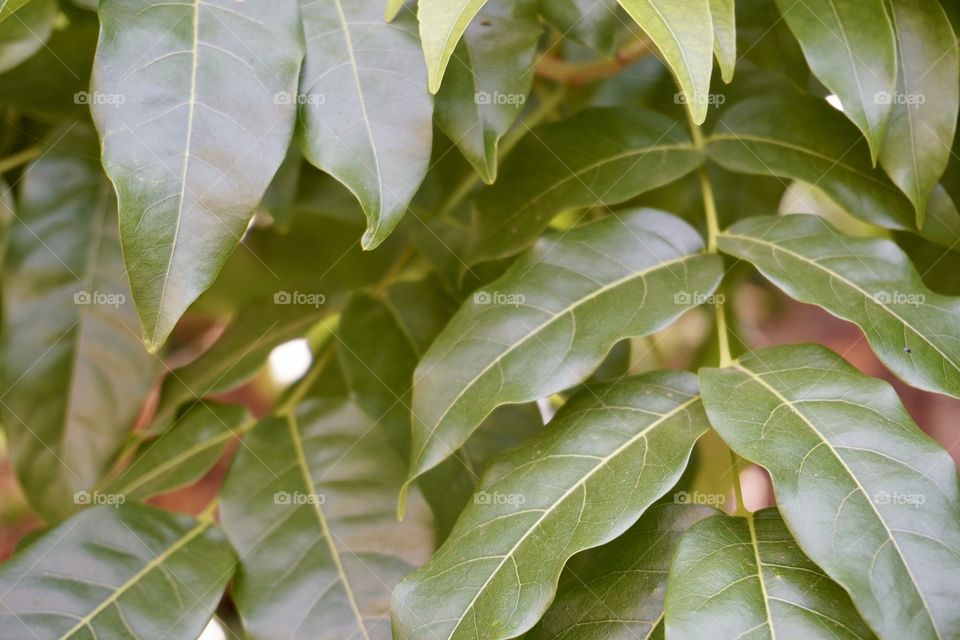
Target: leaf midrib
[[789, 404], [581, 482]]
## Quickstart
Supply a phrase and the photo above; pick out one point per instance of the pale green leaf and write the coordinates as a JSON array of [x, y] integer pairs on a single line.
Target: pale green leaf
[[746, 578], [550, 319], [868, 496], [125, 572], [724, 36], [870, 282], [193, 103], [606, 457], [442, 23]]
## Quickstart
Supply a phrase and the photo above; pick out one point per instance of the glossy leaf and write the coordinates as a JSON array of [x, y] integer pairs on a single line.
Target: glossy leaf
[[851, 47], [872, 283], [25, 25], [489, 79], [746, 578], [189, 101], [549, 321], [724, 36], [74, 372], [182, 455], [123, 572], [869, 497], [597, 157], [606, 456], [442, 24], [683, 32], [805, 139], [923, 114], [593, 23], [309, 505], [616, 591], [365, 115]]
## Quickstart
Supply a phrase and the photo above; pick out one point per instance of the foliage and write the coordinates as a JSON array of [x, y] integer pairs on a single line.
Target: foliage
[[476, 214]]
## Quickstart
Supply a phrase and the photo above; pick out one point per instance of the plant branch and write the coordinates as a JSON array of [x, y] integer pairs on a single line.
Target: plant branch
[[20, 158], [579, 73]]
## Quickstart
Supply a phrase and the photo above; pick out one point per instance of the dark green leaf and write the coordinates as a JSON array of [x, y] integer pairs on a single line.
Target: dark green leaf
[[868, 496], [593, 23], [583, 481], [549, 321], [124, 573], [189, 101], [365, 117], [597, 157], [746, 578], [25, 25]]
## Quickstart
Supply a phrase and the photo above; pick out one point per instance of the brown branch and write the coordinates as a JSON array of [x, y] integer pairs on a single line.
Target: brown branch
[[578, 73]]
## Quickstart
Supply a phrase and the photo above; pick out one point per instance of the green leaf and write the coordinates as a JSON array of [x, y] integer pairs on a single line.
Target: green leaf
[[851, 47], [489, 80], [25, 25], [188, 98], [308, 504], [803, 138], [616, 591], [868, 496], [442, 24], [870, 282], [123, 572], [365, 117], [606, 457], [73, 369], [550, 319], [597, 157], [280, 200], [724, 36], [746, 578], [923, 114], [393, 8], [182, 455], [767, 42], [683, 32], [593, 23]]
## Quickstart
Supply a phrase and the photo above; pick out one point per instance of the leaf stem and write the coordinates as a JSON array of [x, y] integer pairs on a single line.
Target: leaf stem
[[579, 73], [19, 158], [737, 489]]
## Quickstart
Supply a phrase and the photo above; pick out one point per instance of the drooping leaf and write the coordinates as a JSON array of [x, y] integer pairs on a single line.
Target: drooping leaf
[[365, 117], [597, 157], [25, 25], [683, 32], [188, 99], [182, 455], [489, 79], [549, 321], [923, 114], [616, 591], [803, 138], [583, 481], [442, 24], [123, 572], [746, 578], [869, 497], [724, 36], [851, 47], [73, 369], [870, 282], [593, 23], [309, 505]]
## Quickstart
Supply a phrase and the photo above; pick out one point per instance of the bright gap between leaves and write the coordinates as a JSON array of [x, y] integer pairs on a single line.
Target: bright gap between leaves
[[213, 631], [835, 102], [289, 361]]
